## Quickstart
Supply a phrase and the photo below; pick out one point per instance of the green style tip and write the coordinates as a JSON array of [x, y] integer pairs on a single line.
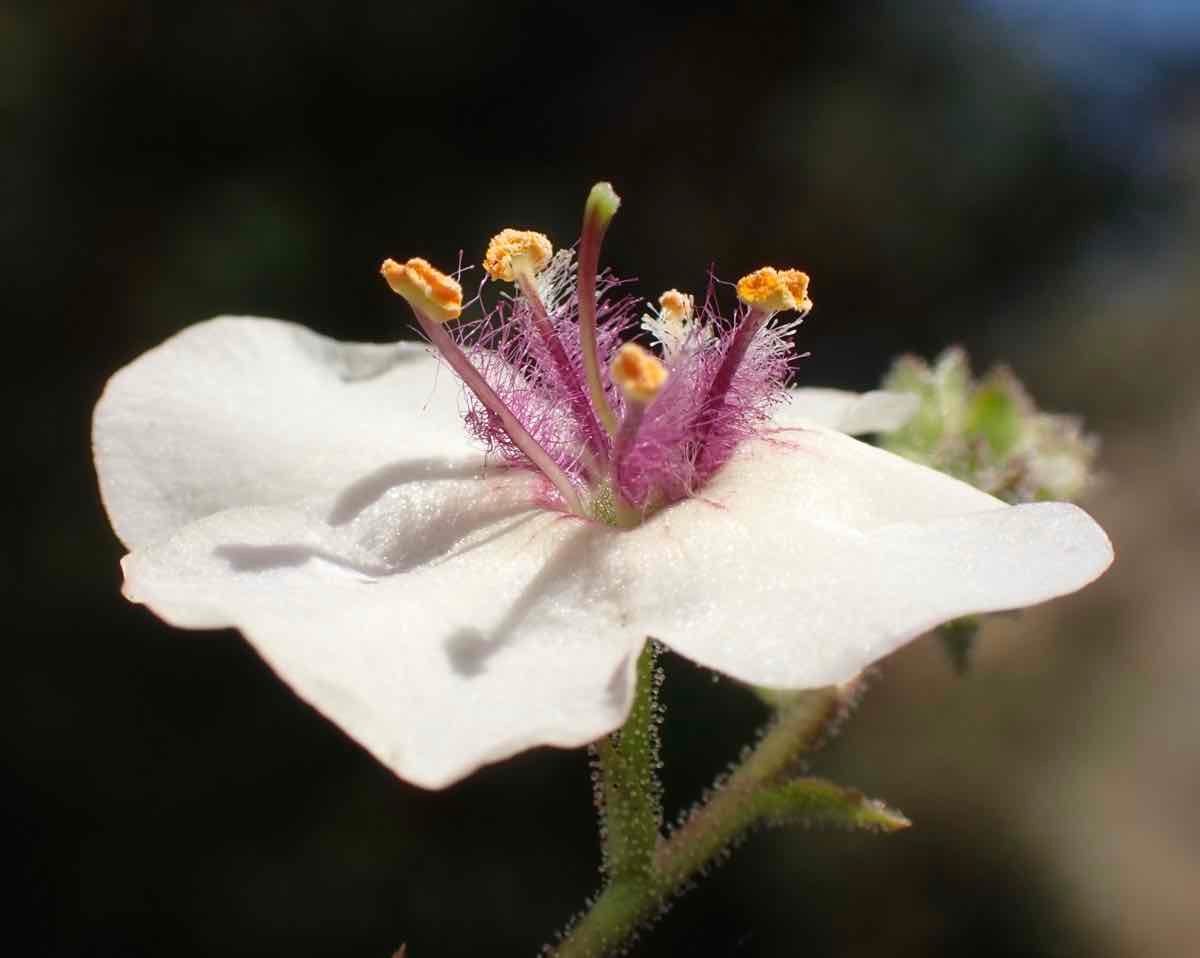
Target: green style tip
[[602, 203]]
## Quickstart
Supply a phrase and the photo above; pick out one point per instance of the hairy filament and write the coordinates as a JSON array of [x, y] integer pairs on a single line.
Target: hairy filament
[[444, 343], [585, 415], [751, 323]]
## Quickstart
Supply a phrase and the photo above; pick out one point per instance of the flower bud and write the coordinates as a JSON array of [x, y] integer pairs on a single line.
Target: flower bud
[[989, 432]]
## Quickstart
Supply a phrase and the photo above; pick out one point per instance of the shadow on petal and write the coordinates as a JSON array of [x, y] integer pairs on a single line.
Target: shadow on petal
[[618, 688], [469, 649], [365, 492], [393, 521], [260, 558]]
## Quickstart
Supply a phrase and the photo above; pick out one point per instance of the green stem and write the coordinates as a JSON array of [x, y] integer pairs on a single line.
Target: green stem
[[628, 793], [796, 729], [635, 896], [621, 909]]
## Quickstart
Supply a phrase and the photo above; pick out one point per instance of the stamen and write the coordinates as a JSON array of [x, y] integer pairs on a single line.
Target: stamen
[[676, 307], [601, 207], [639, 373], [510, 249], [430, 294], [766, 291], [418, 280], [516, 256], [640, 377], [772, 291], [672, 327]]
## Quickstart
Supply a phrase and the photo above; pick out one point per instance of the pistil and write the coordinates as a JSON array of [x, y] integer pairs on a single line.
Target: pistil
[[601, 207]]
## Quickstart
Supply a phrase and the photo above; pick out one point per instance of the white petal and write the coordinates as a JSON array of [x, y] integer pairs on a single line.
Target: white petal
[[441, 623], [812, 556], [848, 412], [239, 412]]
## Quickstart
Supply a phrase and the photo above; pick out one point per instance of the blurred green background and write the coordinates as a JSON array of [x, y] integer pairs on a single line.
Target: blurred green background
[[1019, 177]]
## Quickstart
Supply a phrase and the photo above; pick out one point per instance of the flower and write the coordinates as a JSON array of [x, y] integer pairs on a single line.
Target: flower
[[449, 607]]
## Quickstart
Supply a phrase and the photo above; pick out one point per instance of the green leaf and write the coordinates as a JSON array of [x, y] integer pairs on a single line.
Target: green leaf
[[815, 801]]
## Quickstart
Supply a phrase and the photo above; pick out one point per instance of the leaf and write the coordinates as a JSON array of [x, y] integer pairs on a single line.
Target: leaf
[[817, 802]]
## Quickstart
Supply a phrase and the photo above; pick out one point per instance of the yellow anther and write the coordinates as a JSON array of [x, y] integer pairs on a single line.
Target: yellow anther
[[510, 248], [774, 290], [676, 306], [796, 282], [436, 294], [638, 372]]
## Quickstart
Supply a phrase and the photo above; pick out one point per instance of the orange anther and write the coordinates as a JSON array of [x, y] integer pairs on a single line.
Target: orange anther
[[509, 246], [436, 294]]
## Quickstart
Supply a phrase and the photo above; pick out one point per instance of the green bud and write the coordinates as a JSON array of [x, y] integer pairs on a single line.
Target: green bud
[[998, 413], [989, 432]]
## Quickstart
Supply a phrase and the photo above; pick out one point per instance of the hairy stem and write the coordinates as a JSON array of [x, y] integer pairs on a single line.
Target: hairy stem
[[631, 813], [796, 729], [635, 896]]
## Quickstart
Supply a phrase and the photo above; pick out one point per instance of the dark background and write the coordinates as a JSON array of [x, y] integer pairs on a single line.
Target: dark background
[[1020, 177]]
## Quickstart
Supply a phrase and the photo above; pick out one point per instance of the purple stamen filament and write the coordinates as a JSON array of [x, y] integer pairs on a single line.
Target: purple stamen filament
[[627, 432], [585, 415], [718, 391], [545, 400], [444, 344]]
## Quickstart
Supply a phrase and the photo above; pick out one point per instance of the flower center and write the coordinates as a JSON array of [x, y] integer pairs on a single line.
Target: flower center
[[617, 431]]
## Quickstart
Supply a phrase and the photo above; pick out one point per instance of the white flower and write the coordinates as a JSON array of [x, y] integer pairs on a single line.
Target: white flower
[[324, 499]]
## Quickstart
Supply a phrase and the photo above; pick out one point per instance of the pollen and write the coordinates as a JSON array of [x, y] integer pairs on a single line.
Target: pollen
[[676, 306], [426, 288], [510, 247], [638, 372], [796, 282], [775, 290]]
